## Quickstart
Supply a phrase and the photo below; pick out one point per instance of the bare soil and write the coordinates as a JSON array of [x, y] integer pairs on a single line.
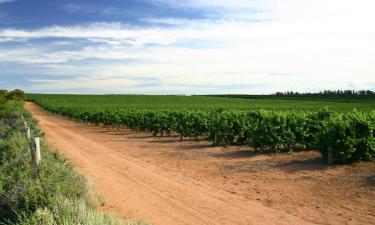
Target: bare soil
[[167, 181]]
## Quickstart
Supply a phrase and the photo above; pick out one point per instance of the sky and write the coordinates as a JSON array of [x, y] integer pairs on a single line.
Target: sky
[[186, 47]]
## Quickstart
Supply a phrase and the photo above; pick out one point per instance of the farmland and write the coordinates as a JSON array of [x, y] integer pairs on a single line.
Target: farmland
[[262, 124], [169, 112], [198, 102], [168, 181]]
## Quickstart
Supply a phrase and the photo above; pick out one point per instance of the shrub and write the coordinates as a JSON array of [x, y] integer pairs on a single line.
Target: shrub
[[349, 137], [16, 94]]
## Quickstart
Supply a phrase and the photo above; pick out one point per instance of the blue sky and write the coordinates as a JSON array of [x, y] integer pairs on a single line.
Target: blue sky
[[186, 47]]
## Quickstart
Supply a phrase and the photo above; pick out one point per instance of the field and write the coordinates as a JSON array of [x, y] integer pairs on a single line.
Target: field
[[200, 102], [221, 160], [191, 155], [262, 124], [168, 181]]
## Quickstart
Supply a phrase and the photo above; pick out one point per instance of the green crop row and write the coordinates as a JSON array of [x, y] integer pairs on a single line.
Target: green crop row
[[346, 137], [171, 102]]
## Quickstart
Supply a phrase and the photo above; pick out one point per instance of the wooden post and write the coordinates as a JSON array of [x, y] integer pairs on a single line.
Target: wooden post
[[28, 134], [36, 153], [25, 125]]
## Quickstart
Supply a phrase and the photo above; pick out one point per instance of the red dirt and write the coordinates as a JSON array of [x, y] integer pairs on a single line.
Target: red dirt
[[166, 181]]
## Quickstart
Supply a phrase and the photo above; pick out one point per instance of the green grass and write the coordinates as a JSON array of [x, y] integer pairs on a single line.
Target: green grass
[[73, 212], [57, 196], [196, 102]]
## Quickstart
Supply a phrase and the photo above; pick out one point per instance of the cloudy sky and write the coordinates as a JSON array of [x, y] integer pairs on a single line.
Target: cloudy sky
[[186, 46]]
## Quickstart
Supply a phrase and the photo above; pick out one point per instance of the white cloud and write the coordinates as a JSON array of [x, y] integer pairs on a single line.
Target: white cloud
[[78, 83], [316, 44]]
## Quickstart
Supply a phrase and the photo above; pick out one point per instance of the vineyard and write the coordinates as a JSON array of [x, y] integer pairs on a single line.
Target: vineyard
[[341, 133]]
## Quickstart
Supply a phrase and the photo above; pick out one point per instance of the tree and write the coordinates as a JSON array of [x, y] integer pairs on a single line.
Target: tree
[[16, 94]]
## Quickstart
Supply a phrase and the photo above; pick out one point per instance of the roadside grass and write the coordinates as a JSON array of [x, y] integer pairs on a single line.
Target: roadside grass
[[57, 196], [73, 212]]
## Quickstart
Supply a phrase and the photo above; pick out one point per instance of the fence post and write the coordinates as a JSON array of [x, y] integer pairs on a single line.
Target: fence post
[[28, 134], [35, 154]]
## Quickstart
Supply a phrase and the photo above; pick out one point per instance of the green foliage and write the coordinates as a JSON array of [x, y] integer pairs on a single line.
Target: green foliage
[[16, 94], [2, 99], [170, 102], [230, 127], [73, 212], [3, 92], [3, 96], [333, 96], [58, 196], [350, 137], [229, 124]]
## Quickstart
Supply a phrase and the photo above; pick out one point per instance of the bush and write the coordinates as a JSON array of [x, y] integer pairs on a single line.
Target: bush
[[349, 137], [16, 94]]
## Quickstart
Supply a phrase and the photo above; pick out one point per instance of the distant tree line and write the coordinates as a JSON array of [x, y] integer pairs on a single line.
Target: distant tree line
[[337, 95], [329, 93]]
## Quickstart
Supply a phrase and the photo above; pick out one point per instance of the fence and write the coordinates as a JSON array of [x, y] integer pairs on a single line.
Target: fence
[[34, 145]]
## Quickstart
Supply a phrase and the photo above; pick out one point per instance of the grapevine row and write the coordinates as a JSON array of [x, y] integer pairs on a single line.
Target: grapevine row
[[348, 136]]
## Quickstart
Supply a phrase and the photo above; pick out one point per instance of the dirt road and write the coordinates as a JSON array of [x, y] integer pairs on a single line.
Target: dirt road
[[139, 189]]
